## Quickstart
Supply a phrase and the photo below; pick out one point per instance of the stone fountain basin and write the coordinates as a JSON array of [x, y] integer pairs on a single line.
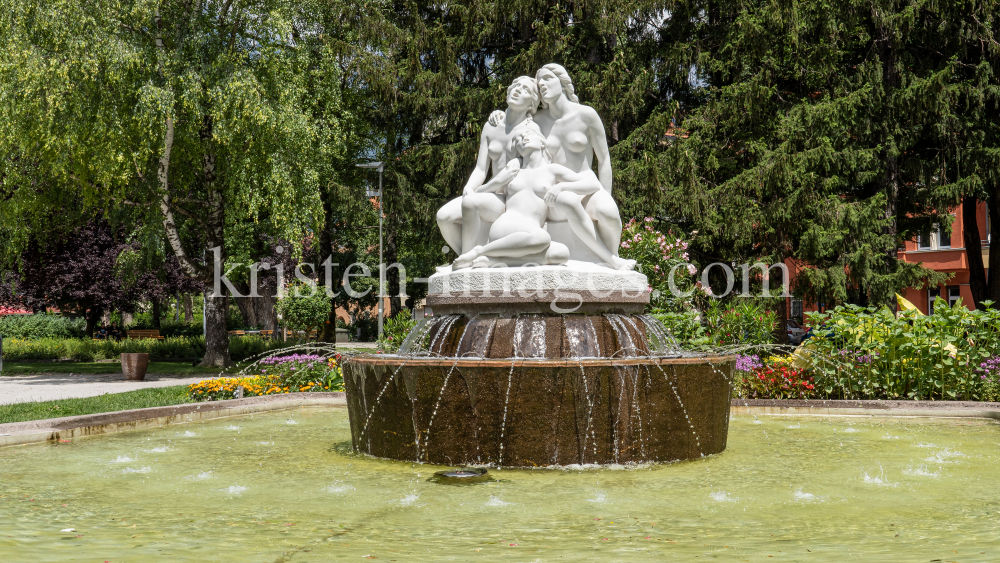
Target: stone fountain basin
[[538, 412]]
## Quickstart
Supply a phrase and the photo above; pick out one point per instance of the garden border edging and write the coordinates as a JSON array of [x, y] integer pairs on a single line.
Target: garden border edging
[[932, 409], [69, 427]]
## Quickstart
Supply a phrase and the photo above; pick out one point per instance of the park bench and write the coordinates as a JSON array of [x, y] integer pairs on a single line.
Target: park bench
[[154, 334]]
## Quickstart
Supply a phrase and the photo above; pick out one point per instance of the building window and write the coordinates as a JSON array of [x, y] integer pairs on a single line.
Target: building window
[[954, 294], [934, 239], [924, 242], [944, 239], [932, 294]]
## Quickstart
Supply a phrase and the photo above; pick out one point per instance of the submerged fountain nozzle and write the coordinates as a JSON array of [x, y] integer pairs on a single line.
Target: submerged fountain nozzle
[[462, 476]]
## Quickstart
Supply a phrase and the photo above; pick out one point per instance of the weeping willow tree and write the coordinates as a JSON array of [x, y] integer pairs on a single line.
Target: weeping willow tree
[[189, 112]]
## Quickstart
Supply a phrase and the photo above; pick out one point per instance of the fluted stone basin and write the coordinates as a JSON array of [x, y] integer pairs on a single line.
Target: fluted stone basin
[[538, 412]]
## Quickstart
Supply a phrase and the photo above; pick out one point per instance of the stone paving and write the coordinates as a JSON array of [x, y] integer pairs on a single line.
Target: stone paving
[[52, 386]]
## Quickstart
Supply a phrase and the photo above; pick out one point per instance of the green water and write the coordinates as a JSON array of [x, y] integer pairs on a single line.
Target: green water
[[285, 487]]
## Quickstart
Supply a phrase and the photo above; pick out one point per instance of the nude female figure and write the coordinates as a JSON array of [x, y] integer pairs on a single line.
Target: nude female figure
[[462, 220], [575, 134], [518, 236]]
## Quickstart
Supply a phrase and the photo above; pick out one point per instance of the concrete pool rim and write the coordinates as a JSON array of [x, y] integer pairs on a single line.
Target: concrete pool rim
[[70, 427]]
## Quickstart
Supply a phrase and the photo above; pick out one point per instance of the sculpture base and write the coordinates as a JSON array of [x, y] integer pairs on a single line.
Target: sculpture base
[[576, 287]]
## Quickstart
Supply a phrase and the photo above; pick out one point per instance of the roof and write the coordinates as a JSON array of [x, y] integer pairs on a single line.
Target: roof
[[12, 311]]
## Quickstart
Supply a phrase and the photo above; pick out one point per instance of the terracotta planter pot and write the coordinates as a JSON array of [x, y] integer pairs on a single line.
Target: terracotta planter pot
[[134, 366]]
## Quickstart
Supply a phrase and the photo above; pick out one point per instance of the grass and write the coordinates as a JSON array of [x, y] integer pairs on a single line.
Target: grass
[[173, 368], [143, 398]]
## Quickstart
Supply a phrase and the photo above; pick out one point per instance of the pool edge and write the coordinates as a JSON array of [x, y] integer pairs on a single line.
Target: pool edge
[[70, 427], [67, 428], [927, 409]]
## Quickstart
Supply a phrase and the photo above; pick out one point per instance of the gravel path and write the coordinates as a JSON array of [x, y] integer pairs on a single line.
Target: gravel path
[[48, 387]]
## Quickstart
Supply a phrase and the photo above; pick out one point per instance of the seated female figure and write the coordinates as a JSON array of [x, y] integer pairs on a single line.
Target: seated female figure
[[518, 236]]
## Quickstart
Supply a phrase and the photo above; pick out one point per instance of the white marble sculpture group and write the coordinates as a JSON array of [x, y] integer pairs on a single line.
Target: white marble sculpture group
[[544, 205]]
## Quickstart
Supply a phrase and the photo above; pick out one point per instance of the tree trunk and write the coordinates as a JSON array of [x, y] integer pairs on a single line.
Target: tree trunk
[[217, 338], [188, 309], [974, 251], [327, 332], [245, 305], [92, 316], [892, 179], [155, 308], [993, 284], [781, 332], [257, 311], [177, 309]]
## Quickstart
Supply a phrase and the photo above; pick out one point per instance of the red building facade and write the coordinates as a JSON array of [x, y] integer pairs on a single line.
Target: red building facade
[[939, 251]]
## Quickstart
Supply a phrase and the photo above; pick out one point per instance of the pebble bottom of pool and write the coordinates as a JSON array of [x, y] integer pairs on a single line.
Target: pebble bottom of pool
[[285, 486]]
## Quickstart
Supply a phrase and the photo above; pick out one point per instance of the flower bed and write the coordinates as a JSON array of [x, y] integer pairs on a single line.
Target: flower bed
[[284, 374], [774, 378]]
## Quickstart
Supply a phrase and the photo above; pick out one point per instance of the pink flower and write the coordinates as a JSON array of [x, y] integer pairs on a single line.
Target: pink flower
[[692, 270]]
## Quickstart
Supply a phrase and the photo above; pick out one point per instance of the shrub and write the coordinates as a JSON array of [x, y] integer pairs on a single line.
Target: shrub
[[301, 312], [748, 323], [25, 327], [86, 350], [873, 354], [658, 255], [395, 329], [684, 326]]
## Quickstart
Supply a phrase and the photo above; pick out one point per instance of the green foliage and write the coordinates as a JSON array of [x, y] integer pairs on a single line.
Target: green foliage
[[871, 353], [41, 326], [301, 311], [741, 322], [85, 350], [395, 329], [659, 256], [684, 326], [109, 402]]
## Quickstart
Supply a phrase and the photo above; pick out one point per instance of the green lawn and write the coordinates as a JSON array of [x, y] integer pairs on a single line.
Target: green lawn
[[173, 368], [143, 398]]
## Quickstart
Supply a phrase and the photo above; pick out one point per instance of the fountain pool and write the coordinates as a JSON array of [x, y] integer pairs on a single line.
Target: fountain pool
[[286, 486]]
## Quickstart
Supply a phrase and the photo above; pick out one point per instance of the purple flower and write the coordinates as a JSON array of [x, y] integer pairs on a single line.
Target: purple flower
[[297, 358], [748, 363]]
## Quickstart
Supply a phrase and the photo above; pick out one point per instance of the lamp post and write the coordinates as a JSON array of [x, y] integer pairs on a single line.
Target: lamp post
[[381, 261]]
